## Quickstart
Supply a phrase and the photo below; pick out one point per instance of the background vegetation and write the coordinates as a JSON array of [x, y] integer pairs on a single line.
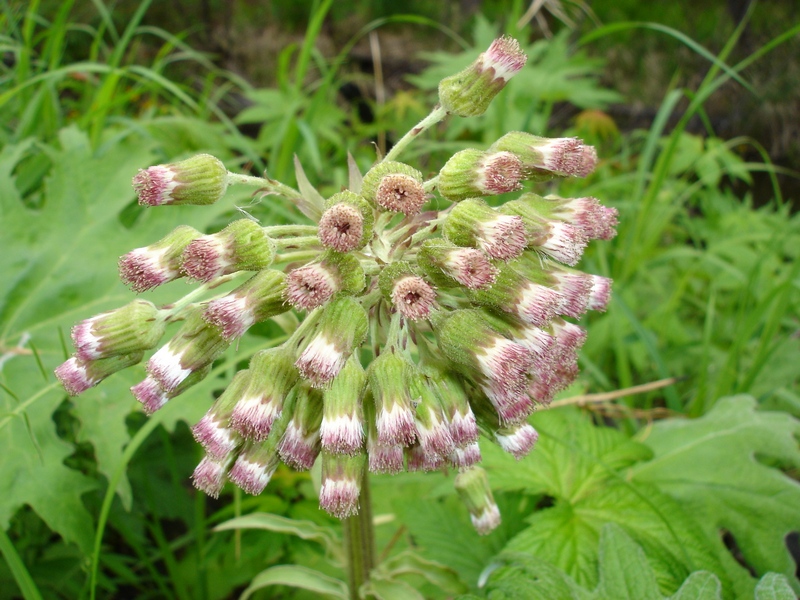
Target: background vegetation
[[688, 490]]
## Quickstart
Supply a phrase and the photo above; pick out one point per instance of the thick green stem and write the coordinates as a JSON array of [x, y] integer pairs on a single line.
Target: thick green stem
[[359, 542]]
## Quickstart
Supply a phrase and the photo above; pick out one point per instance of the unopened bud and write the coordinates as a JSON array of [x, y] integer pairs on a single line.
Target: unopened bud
[[241, 246], [347, 223], [342, 429], [256, 300], [341, 483], [394, 186], [545, 158], [394, 417], [78, 375], [314, 284], [447, 264], [199, 180], [148, 267], [472, 173], [475, 224], [301, 441], [472, 486], [342, 329], [470, 92], [133, 328]]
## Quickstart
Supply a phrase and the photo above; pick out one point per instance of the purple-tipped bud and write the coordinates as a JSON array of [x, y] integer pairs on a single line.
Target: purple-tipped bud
[[394, 416], [463, 458], [214, 431], [385, 459], [256, 300], [516, 294], [341, 228], [595, 221], [472, 486], [241, 246], [199, 180], [411, 295], [342, 429], [262, 402], [395, 187], [253, 468], [446, 263], [153, 396], [543, 158], [575, 289], [342, 329], [347, 224], [600, 294], [518, 440], [470, 92], [470, 173], [300, 444], [480, 352], [545, 231], [433, 430], [78, 375], [341, 483], [133, 328], [210, 475], [195, 346], [315, 284], [420, 459], [475, 224], [148, 267], [450, 392]]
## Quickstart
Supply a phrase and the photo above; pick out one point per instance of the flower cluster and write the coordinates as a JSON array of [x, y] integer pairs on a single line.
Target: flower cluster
[[421, 330]]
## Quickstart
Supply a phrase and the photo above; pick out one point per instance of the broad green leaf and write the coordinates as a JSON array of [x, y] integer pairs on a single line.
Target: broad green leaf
[[701, 585], [582, 468], [709, 465], [774, 586], [298, 577], [624, 571], [525, 576], [302, 529]]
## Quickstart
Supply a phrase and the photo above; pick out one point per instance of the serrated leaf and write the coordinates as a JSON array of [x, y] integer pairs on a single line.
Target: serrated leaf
[[302, 529], [774, 586], [525, 576], [624, 570], [701, 585], [298, 577], [709, 464], [582, 467]]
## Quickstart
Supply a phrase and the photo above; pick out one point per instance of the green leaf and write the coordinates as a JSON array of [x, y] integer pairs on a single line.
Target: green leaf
[[710, 465], [524, 576], [624, 570], [582, 468], [302, 529], [774, 586], [701, 585], [298, 577]]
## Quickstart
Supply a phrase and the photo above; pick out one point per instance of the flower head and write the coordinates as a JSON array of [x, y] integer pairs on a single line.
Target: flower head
[[201, 179], [470, 92]]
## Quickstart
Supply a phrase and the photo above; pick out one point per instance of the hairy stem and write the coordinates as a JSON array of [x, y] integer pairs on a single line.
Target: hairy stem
[[437, 114], [359, 542]]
